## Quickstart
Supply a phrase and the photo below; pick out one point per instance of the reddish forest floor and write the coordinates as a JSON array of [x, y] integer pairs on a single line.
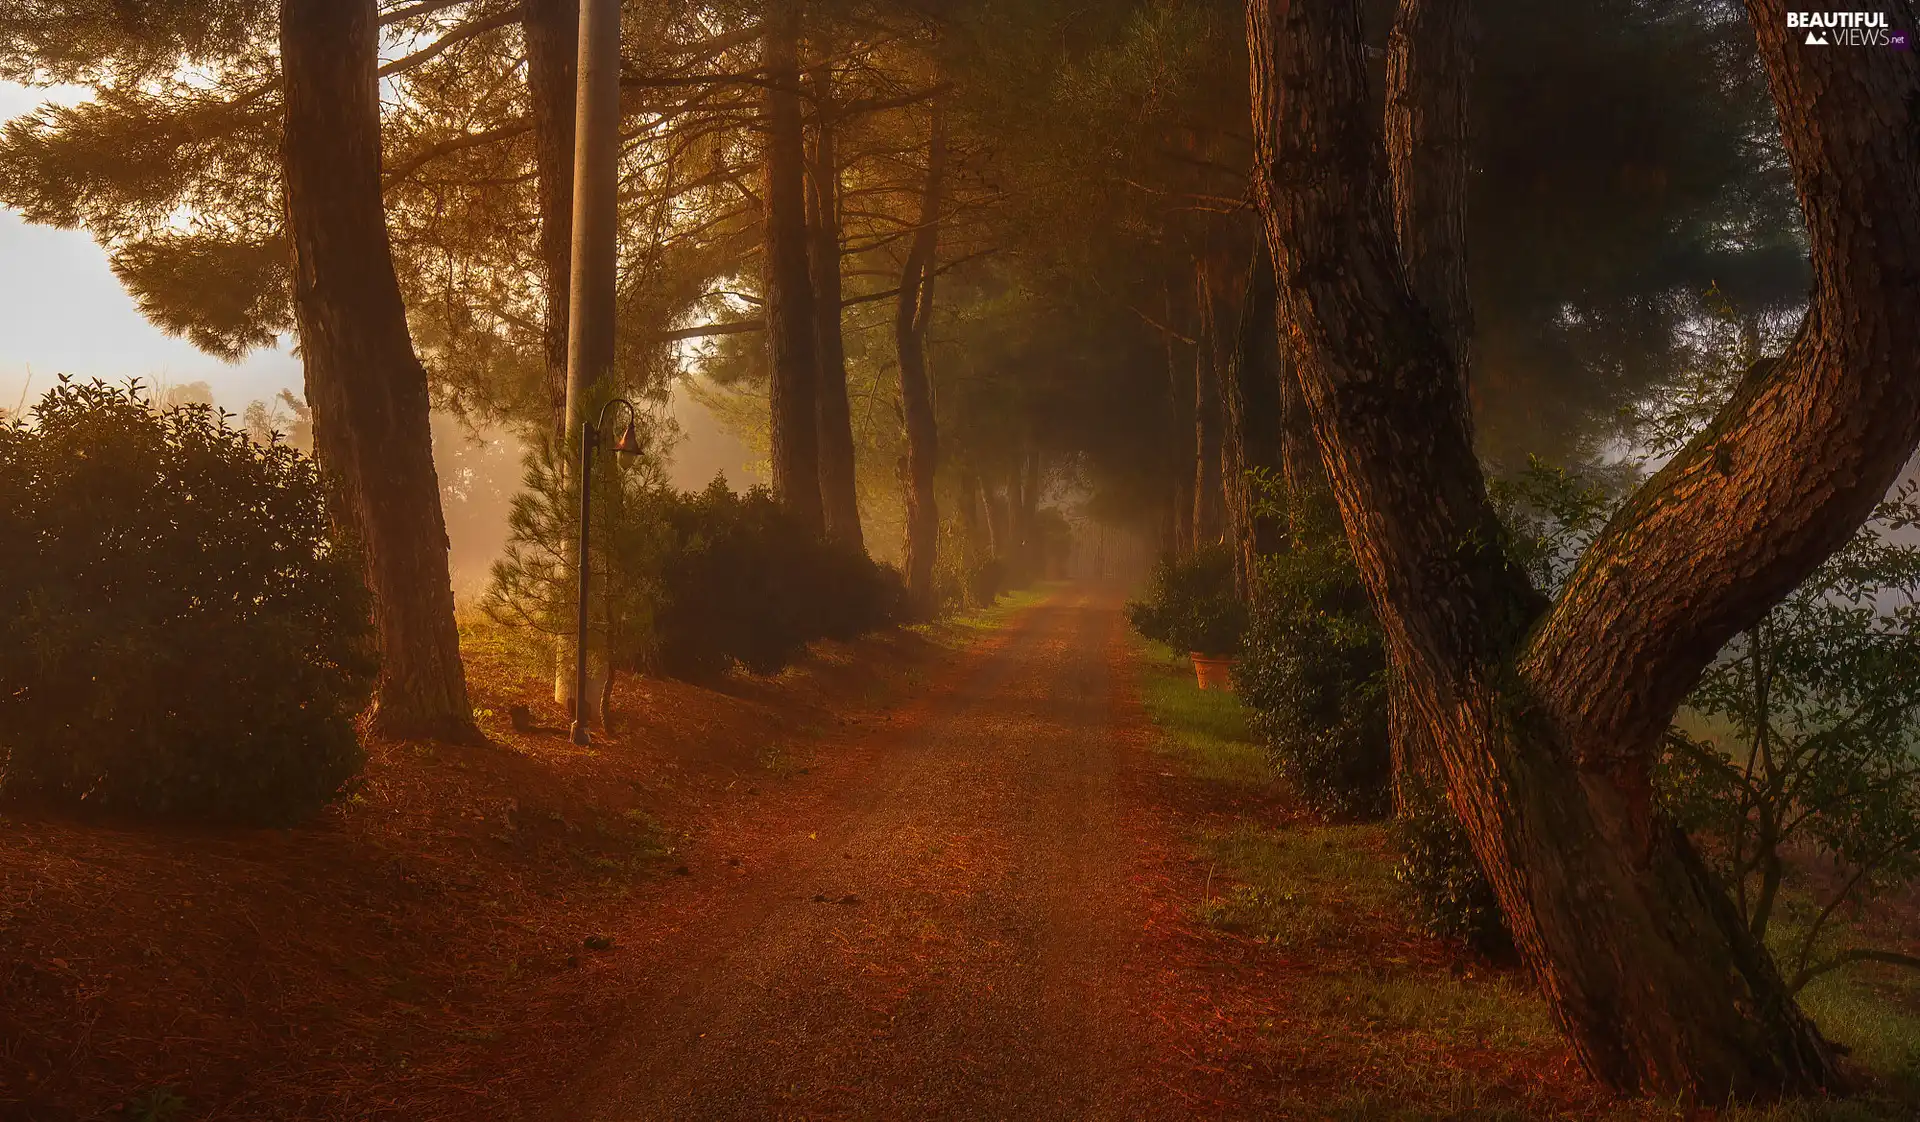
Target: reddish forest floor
[[938, 873]]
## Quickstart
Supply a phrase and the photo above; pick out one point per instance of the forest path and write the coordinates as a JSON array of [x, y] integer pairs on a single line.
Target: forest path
[[957, 932]]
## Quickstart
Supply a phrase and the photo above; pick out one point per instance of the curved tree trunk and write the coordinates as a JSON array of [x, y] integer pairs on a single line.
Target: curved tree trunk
[[552, 31], [792, 325], [365, 384], [839, 496], [916, 387], [1429, 62], [1549, 726]]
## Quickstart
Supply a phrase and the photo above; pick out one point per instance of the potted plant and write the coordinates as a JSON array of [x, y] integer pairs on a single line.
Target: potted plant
[[1211, 633], [1191, 606]]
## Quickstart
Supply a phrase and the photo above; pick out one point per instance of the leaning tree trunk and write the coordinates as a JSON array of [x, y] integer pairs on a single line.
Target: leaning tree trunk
[[552, 32], [792, 326], [1250, 391], [916, 388], [1549, 727], [1429, 61], [365, 384], [839, 497]]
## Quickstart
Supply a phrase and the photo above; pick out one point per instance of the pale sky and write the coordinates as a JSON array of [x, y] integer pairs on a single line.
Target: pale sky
[[63, 311]]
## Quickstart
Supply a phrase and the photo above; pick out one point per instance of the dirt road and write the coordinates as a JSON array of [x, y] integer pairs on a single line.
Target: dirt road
[[953, 932]]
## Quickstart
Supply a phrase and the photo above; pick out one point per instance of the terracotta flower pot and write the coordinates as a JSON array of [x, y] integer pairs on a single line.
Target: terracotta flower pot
[[1213, 673]]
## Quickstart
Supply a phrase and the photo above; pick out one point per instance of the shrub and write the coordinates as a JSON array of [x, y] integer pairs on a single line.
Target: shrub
[[1191, 604], [689, 583], [730, 577], [1449, 895], [1313, 671], [1810, 722], [966, 575], [180, 632]]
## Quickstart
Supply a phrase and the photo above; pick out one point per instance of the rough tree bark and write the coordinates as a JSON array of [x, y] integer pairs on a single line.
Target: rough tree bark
[[1250, 391], [552, 32], [914, 309], [1548, 721], [365, 384], [1429, 62], [839, 497], [792, 325]]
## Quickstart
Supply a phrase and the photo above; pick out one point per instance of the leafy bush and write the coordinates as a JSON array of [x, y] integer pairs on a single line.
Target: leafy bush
[[180, 632], [1442, 879], [1191, 604], [1314, 672], [687, 583], [1812, 721], [966, 575], [728, 577]]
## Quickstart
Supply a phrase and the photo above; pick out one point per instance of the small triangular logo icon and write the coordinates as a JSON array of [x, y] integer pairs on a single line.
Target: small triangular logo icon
[[1816, 39]]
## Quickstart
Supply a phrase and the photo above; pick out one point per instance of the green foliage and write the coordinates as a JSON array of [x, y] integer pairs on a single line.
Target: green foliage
[[687, 583], [1550, 516], [966, 575], [732, 577], [1444, 884], [1191, 604], [160, 1104], [1812, 719], [180, 632], [1314, 671]]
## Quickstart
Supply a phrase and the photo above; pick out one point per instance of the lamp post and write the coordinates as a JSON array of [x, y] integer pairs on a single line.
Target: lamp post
[[628, 445]]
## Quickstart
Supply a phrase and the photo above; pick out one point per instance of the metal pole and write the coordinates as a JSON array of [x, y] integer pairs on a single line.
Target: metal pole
[[590, 339], [595, 207], [580, 691]]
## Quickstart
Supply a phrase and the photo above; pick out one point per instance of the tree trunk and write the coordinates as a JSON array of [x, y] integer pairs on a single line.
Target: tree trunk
[[1429, 62], [365, 384], [999, 533], [552, 31], [1250, 390], [916, 387], [1304, 480], [1027, 529], [1207, 490], [792, 325], [839, 496], [1549, 727], [969, 512], [1180, 396]]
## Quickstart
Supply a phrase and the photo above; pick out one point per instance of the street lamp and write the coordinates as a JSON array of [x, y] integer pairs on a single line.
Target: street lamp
[[629, 445]]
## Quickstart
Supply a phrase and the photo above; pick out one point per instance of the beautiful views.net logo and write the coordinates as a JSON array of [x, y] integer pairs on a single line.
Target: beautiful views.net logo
[[1847, 29]]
